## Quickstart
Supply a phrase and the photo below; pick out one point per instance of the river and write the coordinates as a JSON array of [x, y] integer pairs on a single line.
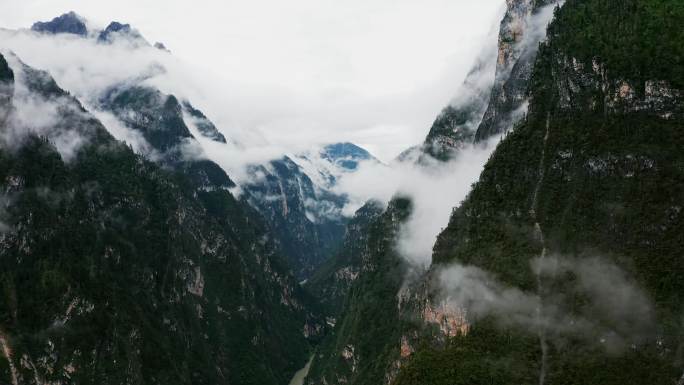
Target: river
[[299, 377]]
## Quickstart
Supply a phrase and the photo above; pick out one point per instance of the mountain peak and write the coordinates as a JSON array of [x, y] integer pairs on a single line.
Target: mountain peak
[[115, 26], [160, 46], [345, 154], [67, 23], [116, 30]]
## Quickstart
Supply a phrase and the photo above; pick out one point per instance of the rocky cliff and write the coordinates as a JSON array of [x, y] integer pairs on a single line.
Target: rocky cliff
[[492, 98]]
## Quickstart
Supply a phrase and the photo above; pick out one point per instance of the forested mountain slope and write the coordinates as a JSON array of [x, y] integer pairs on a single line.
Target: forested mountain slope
[[573, 235], [115, 270]]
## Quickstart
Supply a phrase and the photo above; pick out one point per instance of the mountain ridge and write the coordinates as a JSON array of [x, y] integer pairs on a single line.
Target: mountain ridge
[[71, 23], [170, 130], [111, 278]]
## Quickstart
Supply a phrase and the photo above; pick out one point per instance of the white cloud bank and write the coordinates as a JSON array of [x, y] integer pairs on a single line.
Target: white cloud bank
[[435, 190], [375, 73]]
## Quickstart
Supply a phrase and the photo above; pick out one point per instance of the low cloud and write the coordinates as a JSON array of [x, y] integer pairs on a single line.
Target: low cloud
[[125, 134], [434, 188], [613, 312], [40, 115], [274, 98], [613, 295], [537, 25]]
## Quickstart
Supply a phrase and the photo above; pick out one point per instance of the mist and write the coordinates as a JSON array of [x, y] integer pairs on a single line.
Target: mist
[[38, 115], [283, 75], [615, 311], [434, 188]]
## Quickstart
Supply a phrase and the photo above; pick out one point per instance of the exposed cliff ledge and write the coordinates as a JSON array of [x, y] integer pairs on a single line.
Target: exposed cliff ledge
[[590, 86]]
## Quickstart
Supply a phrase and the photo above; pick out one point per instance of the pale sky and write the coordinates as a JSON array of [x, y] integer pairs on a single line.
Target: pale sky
[[374, 72]]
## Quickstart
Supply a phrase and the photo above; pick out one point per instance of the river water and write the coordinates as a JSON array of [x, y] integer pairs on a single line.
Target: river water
[[299, 377]]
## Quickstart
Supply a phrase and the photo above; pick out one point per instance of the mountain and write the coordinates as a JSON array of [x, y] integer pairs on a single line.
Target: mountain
[[333, 280], [157, 116], [365, 349], [561, 266], [306, 219], [297, 195], [72, 23], [493, 96], [327, 164], [117, 31], [521, 30], [171, 131], [203, 124], [456, 125], [117, 270], [346, 155], [590, 201], [67, 23]]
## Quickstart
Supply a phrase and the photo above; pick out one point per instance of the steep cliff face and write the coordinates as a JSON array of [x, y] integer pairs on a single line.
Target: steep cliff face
[[118, 271], [521, 31], [493, 95], [456, 125], [582, 194]]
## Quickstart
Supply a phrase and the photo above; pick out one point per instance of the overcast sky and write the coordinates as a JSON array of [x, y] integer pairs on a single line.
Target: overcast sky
[[375, 72]]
